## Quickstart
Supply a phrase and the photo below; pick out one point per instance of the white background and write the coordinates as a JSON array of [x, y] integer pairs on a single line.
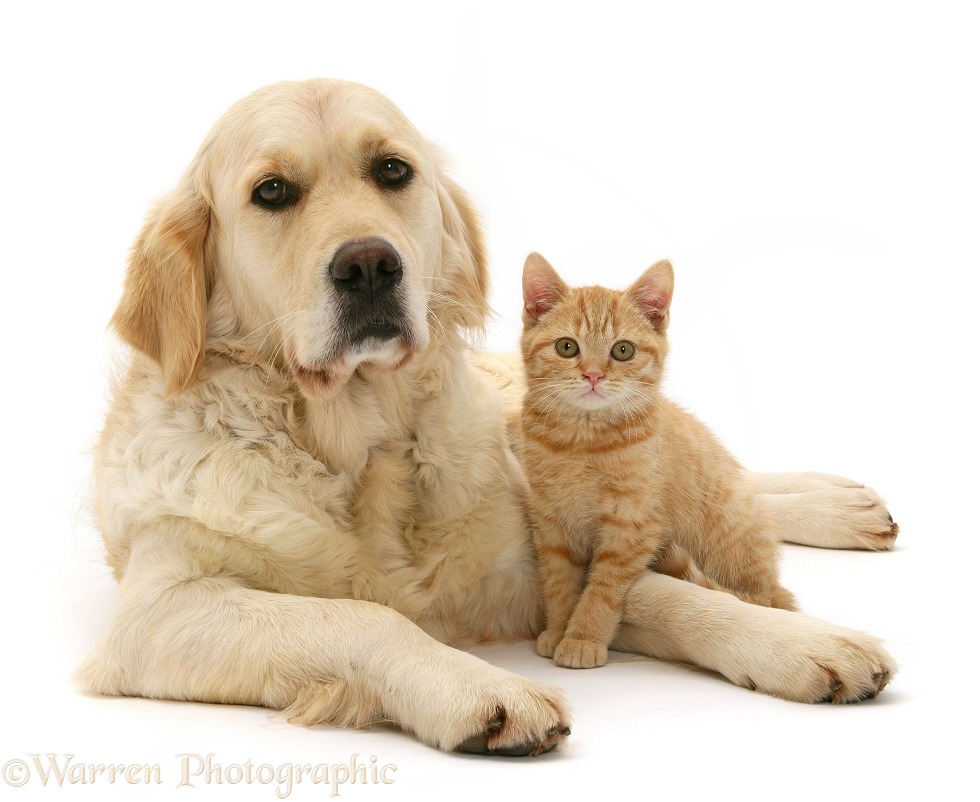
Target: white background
[[811, 169]]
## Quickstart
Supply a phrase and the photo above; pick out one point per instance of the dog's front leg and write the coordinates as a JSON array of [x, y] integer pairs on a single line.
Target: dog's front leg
[[186, 631], [782, 653]]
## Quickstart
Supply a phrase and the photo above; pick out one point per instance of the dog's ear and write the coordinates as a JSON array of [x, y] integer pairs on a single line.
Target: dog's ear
[[163, 310], [465, 279], [543, 288], [653, 291]]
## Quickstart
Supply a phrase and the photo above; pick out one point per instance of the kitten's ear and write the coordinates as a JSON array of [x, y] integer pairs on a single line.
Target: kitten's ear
[[543, 288], [653, 291]]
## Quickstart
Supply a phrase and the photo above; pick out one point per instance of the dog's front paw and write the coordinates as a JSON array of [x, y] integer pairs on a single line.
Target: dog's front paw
[[461, 703], [807, 660], [502, 736], [577, 653], [851, 668]]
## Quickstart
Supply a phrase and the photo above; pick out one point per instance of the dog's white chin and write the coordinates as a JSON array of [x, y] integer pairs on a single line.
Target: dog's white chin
[[323, 380]]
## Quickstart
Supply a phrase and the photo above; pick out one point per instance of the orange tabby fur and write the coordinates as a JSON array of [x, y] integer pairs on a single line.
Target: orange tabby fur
[[622, 479]]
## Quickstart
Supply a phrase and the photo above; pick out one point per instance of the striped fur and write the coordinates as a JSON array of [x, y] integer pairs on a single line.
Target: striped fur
[[622, 479]]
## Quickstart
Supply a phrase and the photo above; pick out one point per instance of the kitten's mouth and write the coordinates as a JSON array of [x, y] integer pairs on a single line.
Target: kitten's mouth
[[594, 397], [594, 386]]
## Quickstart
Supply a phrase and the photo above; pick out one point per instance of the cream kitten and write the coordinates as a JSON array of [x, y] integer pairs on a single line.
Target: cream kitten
[[623, 480]]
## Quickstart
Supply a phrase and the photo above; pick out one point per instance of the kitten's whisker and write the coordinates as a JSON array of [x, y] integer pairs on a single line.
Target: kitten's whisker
[[544, 397]]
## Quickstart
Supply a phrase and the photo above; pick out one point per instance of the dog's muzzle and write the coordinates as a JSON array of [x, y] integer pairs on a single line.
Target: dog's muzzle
[[366, 275]]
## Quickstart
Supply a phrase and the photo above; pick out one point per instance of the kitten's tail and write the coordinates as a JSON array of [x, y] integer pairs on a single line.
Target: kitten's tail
[[673, 560]]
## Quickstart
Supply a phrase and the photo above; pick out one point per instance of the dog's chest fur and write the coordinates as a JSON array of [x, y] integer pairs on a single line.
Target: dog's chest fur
[[387, 492]]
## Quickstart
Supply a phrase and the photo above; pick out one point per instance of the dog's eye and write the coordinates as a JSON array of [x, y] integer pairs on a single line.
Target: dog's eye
[[623, 350], [566, 347], [391, 172], [274, 193]]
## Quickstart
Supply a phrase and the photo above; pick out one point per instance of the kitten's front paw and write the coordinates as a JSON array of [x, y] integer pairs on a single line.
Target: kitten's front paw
[[576, 653], [547, 641]]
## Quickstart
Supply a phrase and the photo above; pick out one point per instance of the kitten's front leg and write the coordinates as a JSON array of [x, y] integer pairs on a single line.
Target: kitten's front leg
[[621, 559], [562, 575]]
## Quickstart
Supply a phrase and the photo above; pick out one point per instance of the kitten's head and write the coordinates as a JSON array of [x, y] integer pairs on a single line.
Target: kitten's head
[[588, 349]]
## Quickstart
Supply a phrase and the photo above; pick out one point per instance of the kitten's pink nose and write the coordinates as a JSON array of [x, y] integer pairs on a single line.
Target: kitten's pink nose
[[594, 377]]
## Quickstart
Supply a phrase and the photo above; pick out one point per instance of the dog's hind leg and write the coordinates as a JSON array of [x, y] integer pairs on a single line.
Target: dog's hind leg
[[817, 509]]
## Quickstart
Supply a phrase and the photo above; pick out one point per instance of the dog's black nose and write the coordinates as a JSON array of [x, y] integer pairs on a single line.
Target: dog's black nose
[[368, 269]]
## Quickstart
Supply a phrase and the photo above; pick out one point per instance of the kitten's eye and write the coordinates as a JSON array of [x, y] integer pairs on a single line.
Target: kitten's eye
[[623, 350], [566, 347], [392, 172], [274, 193]]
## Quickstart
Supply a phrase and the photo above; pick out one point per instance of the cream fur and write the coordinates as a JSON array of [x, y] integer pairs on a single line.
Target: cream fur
[[307, 531]]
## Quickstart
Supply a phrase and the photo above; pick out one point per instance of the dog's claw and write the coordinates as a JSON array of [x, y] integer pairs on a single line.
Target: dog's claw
[[478, 744]]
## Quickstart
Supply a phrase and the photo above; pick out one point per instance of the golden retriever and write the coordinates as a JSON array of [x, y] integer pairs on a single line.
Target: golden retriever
[[305, 483]]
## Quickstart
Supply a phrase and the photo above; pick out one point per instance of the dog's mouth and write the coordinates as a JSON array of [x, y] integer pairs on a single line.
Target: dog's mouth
[[379, 343], [352, 335], [312, 381], [379, 329]]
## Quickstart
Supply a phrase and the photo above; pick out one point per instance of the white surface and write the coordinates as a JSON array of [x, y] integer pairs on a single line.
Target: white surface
[[812, 174]]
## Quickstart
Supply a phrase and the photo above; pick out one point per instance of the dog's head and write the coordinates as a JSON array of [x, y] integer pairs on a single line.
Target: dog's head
[[316, 223]]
